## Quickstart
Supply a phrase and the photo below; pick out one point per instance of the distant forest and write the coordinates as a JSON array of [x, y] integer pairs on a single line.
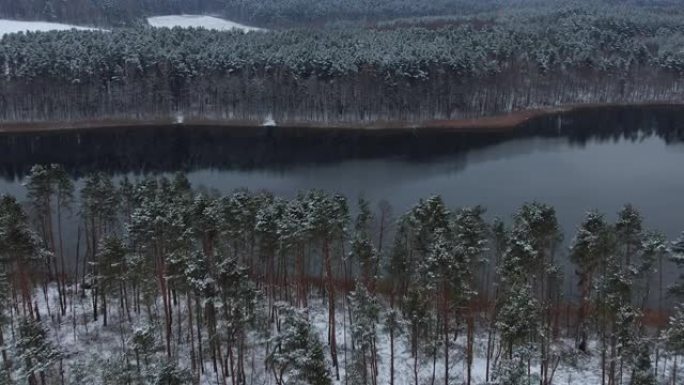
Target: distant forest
[[274, 12], [409, 69], [271, 12]]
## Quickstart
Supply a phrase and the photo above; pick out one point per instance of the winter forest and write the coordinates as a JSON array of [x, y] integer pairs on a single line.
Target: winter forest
[[389, 68], [164, 283], [128, 256]]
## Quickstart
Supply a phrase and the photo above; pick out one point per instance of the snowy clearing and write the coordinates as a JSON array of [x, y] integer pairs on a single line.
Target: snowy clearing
[[14, 26], [197, 21]]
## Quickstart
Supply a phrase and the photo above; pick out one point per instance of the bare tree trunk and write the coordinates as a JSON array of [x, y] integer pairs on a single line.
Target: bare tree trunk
[[674, 370], [469, 348], [193, 356], [332, 338], [391, 336], [5, 361]]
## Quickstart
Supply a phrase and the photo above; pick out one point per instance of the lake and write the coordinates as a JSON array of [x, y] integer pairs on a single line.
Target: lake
[[589, 159]]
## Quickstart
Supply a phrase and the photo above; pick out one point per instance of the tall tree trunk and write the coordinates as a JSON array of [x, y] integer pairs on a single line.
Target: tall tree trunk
[[5, 361], [391, 337], [193, 356], [103, 295], [163, 289], [332, 337]]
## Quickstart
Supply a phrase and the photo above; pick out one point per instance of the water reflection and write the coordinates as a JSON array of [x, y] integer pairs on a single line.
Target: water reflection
[[164, 149]]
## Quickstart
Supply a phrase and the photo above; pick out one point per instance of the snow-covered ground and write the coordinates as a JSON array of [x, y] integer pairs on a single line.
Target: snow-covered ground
[[14, 26], [197, 21], [90, 348]]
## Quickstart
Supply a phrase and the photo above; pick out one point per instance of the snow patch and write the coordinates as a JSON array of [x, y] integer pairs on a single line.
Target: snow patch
[[179, 118], [14, 26], [197, 21], [269, 122]]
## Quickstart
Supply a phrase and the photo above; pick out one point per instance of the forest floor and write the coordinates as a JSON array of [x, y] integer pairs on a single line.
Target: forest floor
[[91, 349], [494, 123]]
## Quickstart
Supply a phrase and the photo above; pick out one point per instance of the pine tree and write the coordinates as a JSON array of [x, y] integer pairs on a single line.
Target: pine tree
[[5, 301], [151, 231], [170, 374], [111, 268], [642, 372], [394, 326], [36, 353], [50, 191], [674, 337], [592, 244], [518, 318], [471, 245], [239, 306], [143, 343], [677, 257], [117, 370], [328, 218], [628, 230], [362, 249], [269, 239], [365, 312], [512, 371], [99, 203], [21, 251], [537, 223], [296, 355]]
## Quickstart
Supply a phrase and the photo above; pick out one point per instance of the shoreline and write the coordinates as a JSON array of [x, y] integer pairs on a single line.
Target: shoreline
[[486, 124]]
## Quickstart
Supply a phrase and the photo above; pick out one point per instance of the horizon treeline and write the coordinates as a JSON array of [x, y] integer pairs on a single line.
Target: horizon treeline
[[456, 68], [283, 13], [189, 286], [272, 13]]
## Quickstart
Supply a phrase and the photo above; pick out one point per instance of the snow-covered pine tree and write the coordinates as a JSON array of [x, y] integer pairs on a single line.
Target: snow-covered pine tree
[[393, 325], [99, 206], [50, 191], [111, 270], [362, 249], [677, 258], [328, 217], [471, 244], [296, 355], [170, 374], [629, 231], [36, 354], [268, 219], [538, 223], [674, 338], [519, 312], [143, 344], [21, 252], [239, 307], [5, 301], [518, 319], [365, 311], [425, 258], [592, 244], [642, 367]]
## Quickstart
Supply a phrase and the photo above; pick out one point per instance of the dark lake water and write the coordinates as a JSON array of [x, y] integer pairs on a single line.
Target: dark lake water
[[598, 159]]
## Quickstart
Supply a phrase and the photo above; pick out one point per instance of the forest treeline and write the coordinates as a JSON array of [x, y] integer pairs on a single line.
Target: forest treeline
[[462, 69], [108, 13], [171, 285], [275, 13], [267, 12]]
